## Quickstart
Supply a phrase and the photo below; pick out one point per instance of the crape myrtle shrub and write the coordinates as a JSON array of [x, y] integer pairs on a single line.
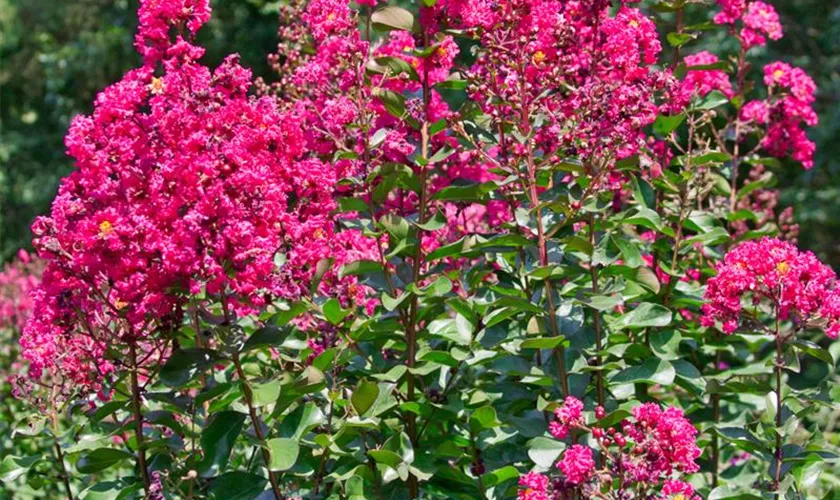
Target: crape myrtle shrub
[[466, 249]]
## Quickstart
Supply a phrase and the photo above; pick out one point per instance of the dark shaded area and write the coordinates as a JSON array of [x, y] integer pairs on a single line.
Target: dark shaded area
[[55, 57]]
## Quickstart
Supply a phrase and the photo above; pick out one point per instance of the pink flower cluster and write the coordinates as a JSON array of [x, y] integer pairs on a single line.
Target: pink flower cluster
[[17, 281], [788, 107], [652, 450], [533, 486], [664, 442], [795, 284], [547, 57], [760, 20], [702, 80], [159, 17], [577, 464], [569, 415]]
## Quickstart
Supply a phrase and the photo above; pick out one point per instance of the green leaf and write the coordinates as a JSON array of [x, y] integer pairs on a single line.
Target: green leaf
[[266, 394], [333, 312], [111, 490], [321, 268], [652, 371], [13, 467], [300, 421], [469, 192], [237, 485], [664, 125], [364, 396], [437, 221], [714, 99], [284, 453], [645, 217], [484, 418], [184, 364], [542, 342], [814, 351], [645, 315], [100, 459], [679, 39], [394, 103], [359, 268], [735, 493], [613, 419], [267, 336], [393, 18], [393, 66], [395, 225], [217, 441], [387, 457], [499, 476], [629, 252], [544, 451], [602, 302]]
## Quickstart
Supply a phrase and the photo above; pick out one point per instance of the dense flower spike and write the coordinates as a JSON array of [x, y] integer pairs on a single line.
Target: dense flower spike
[[184, 184], [530, 48], [789, 106], [795, 284]]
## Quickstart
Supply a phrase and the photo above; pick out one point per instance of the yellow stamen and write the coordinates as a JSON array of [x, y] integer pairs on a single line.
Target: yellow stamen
[[105, 228], [157, 86], [783, 267], [539, 57]]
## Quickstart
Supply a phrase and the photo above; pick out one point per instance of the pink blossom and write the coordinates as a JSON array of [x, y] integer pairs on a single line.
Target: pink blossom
[[569, 415], [533, 486], [760, 20], [678, 489], [795, 283], [577, 464], [703, 81]]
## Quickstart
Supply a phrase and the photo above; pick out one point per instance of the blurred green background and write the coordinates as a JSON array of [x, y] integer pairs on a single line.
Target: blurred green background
[[56, 55]]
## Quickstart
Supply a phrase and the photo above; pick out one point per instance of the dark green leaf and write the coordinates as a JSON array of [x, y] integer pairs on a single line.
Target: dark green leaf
[[217, 441], [237, 485], [100, 459], [645, 315], [183, 365], [268, 336], [364, 396]]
